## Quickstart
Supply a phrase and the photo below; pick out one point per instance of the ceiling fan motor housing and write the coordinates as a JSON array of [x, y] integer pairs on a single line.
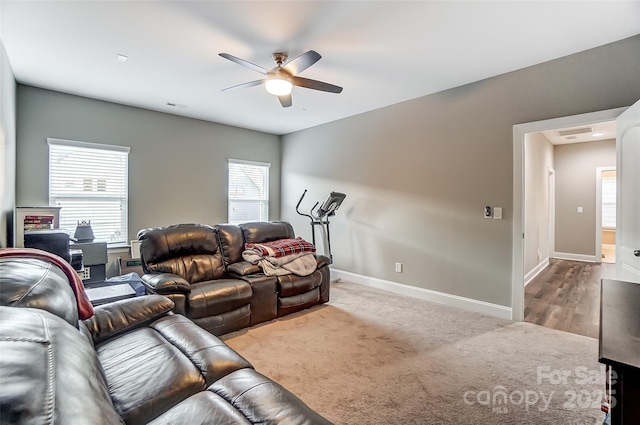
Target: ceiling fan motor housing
[[280, 58]]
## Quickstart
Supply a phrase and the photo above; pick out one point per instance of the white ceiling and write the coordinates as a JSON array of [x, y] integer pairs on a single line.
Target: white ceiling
[[381, 52], [583, 133]]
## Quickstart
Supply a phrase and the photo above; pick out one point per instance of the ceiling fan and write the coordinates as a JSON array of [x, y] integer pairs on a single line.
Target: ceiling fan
[[280, 80]]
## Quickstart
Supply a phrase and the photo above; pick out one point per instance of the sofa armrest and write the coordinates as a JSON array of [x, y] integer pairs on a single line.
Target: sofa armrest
[[322, 260], [121, 316], [166, 283], [244, 268]]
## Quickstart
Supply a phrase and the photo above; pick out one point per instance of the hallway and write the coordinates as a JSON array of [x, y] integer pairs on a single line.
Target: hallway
[[566, 296]]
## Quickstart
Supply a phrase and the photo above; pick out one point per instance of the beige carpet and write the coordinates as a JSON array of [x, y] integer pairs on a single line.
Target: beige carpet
[[373, 357]]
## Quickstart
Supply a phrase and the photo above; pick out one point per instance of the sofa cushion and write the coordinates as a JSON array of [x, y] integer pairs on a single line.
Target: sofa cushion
[[32, 282], [231, 242], [267, 231], [244, 268], [288, 305], [213, 358], [242, 397], [264, 401], [204, 408], [49, 372], [187, 250], [147, 375], [230, 321], [218, 296], [289, 285]]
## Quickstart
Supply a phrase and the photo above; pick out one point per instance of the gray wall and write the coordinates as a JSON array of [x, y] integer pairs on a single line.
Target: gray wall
[[538, 153], [177, 165], [7, 149], [576, 187], [418, 173]]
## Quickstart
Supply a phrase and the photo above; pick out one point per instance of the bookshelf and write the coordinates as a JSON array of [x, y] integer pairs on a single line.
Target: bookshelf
[[34, 218]]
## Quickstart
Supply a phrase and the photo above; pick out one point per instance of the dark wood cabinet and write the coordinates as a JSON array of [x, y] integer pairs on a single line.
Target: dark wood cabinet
[[619, 348]]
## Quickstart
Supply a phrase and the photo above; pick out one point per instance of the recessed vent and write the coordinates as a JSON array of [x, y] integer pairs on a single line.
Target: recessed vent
[[574, 131], [570, 138]]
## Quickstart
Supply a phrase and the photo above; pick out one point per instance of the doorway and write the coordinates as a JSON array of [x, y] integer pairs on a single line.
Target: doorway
[[518, 235]]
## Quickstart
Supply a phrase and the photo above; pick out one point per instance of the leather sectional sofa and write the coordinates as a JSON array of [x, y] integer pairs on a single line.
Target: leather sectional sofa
[[131, 362], [201, 269]]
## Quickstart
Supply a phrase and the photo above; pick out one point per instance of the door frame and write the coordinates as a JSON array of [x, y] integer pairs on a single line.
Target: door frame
[[552, 211], [517, 247]]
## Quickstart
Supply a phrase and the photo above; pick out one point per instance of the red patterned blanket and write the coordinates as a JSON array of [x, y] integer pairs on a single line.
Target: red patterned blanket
[[281, 247]]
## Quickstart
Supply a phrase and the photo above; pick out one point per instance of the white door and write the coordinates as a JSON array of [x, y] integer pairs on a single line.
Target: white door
[[628, 213]]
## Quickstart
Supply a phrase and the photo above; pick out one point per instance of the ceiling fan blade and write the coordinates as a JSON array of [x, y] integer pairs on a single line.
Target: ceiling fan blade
[[285, 100], [315, 85], [302, 62], [249, 84], [243, 62]]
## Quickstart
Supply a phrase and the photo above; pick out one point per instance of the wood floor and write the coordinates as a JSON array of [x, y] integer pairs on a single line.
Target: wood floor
[[566, 296]]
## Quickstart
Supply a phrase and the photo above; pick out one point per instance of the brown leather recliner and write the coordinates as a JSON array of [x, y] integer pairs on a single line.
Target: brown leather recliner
[[201, 269], [133, 362], [293, 293], [184, 263]]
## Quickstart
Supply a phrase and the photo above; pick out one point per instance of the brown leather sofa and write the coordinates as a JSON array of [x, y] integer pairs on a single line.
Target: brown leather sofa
[[201, 269], [133, 362]]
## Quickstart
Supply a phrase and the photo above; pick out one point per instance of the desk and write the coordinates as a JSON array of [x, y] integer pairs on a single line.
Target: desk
[[94, 260], [619, 347]]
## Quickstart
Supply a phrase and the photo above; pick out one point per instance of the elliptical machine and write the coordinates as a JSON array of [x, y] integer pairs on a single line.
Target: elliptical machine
[[321, 218]]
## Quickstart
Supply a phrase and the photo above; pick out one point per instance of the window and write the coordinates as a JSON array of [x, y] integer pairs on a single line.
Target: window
[[609, 199], [248, 191], [89, 181]]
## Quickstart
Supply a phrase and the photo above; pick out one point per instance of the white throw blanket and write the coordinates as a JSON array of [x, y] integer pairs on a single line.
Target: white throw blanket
[[300, 264]]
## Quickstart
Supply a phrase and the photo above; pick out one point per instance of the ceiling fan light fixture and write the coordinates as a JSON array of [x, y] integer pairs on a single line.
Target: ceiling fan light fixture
[[278, 86]]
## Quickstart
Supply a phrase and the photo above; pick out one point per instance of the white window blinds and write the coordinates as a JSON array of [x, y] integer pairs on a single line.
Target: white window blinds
[[248, 194], [609, 201], [89, 181]]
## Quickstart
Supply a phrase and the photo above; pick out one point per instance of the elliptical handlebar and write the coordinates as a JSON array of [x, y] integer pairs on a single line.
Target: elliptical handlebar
[[300, 201], [298, 206]]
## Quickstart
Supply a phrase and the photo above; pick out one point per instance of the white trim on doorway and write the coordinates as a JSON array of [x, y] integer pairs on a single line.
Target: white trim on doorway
[[517, 251], [552, 210]]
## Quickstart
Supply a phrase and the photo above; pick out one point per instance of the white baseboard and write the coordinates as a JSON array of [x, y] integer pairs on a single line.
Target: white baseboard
[[536, 271], [575, 257], [470, 304]]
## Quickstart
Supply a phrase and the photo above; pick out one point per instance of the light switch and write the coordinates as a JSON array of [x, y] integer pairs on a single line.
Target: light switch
[[580, 210], [497, 213]]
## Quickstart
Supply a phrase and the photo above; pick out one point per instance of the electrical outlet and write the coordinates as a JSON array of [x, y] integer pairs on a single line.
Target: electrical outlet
[[398, 267], [85, 274]]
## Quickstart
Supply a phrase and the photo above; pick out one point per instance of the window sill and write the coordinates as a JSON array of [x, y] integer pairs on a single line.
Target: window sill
[[118, 247]]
